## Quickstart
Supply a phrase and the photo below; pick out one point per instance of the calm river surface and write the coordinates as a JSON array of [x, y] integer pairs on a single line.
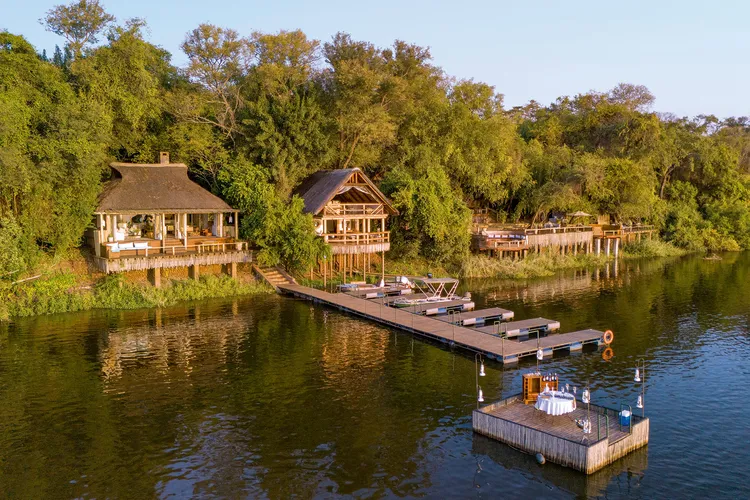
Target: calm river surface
[[271, 397]]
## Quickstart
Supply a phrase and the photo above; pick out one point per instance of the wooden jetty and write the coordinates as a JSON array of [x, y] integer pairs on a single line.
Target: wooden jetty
[[523, 327], [478, 317], [558, 438], [506, 351]]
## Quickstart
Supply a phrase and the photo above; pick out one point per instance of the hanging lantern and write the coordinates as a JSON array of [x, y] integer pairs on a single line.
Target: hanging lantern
[[586, 396], [539, 354], [639, 404], [637, 377], [481, 369], [480, 396]]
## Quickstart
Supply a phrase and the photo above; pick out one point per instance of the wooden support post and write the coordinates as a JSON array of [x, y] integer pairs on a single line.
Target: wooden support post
[[617, 245], [382, 271], [154, 277], [598, 246], [194, 272], [609, 242], [231, 270], [184, 230], [236, 225]]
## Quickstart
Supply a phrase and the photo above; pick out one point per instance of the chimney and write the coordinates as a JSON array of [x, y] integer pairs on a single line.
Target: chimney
[[163, 158]]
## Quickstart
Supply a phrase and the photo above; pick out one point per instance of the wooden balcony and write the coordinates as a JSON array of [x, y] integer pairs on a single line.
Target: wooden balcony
[[144, 253], [353, 243], [341, 210]]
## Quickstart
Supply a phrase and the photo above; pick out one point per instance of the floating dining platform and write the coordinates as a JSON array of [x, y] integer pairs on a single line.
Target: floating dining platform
[[558, 438], [478, 316], [492, 346]]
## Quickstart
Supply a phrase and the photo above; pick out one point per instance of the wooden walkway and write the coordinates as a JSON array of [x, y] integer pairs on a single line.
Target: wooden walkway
[[478, 317], [523, 327], [507, 351]]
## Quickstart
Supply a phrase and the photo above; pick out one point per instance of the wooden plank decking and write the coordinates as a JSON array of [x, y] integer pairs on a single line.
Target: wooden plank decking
[[507, 351], [522, 327], [478, 317]]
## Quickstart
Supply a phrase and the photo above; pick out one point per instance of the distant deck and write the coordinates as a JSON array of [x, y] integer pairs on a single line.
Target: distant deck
[[492, 346], [558, 438]]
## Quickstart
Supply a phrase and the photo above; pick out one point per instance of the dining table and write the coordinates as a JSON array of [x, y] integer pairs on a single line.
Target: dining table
[[555, 402]]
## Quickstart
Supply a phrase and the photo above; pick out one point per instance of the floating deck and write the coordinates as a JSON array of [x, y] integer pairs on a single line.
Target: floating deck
[[558, 438], [523, 327], [507, 351], [479, 316]]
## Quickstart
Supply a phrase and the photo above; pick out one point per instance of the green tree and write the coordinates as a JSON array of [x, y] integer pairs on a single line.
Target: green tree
[[79, 23]]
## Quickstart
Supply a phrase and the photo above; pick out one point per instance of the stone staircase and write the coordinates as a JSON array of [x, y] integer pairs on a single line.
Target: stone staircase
[[274, 276]]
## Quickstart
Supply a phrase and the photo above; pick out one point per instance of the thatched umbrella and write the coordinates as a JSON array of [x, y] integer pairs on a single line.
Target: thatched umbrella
[[577, 214]]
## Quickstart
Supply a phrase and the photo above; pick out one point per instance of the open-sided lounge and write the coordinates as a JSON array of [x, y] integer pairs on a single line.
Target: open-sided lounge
[[152, 216]]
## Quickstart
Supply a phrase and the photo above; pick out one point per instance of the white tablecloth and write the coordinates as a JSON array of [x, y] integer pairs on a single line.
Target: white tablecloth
[[555, 403]]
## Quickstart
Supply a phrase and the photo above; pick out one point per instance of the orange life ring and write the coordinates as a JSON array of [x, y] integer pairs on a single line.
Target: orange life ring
[[608, 337], [608, 354]]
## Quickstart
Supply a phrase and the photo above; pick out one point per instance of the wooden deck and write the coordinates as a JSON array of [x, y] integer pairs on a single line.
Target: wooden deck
[[523, 327], [478, 317], [558, 438], [506, 351]]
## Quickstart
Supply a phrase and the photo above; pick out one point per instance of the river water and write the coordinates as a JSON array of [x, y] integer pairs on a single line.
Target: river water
[[271, 397]]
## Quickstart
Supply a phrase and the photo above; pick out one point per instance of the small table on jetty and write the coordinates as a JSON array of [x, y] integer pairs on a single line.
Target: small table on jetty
[[555, 403]]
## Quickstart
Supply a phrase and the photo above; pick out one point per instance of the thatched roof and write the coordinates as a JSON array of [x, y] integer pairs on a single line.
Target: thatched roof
[[156, 187], [322, 186]]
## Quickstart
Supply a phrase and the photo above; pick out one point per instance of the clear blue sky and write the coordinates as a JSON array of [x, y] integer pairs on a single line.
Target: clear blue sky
[[694, 55]]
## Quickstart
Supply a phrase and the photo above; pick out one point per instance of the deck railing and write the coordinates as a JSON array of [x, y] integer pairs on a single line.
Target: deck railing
[[357, 238], [353, 209], [638, 229], [199, 248]]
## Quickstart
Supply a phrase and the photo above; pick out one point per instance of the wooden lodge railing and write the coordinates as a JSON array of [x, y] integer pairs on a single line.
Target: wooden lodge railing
[[558, 230], [357, 238], [353, 209], [126, 250]]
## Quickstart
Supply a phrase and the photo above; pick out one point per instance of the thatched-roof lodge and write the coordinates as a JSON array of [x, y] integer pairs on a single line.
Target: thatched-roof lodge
[[152, 216], [350, 214]]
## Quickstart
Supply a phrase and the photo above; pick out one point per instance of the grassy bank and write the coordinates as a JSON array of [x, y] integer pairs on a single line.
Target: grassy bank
[[68, 292], [482, 266]]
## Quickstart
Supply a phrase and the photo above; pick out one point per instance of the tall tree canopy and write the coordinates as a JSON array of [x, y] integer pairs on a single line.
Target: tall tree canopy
[[253, 114]]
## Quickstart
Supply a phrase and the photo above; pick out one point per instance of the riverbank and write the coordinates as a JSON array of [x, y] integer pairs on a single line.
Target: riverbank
[[72, 286], [533, 266], [67, 290]]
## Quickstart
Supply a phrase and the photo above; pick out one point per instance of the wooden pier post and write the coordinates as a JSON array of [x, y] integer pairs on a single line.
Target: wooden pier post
[[194, 272], [154, 277]]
